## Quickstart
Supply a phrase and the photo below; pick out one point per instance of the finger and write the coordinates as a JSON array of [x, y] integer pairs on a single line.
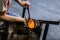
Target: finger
[[28, 4]]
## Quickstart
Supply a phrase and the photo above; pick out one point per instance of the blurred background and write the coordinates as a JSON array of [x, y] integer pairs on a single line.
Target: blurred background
[[42, 10]]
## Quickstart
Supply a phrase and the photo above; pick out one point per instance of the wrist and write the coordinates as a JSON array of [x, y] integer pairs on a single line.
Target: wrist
[[21, 4]]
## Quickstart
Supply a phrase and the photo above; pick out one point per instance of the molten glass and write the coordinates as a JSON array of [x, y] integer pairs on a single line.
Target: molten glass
[[31, 24]]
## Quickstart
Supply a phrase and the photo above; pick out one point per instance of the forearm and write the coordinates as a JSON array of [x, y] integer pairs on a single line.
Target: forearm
[[19, 2], [12, 18]]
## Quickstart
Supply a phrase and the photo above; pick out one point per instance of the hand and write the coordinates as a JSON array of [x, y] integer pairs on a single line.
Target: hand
[[25, 3]]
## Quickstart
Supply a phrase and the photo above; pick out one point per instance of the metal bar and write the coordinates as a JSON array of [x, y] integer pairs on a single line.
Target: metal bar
[[23, 14], [45, 31], [49, 22], [47, 27]]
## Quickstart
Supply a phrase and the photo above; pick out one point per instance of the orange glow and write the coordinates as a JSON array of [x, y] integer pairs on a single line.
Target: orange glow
[[31, 24]]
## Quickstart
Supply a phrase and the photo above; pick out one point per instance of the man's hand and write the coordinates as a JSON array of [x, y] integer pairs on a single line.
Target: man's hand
[[25, 3]]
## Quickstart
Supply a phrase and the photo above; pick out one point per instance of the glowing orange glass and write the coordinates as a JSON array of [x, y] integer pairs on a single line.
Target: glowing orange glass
[[31, 24]]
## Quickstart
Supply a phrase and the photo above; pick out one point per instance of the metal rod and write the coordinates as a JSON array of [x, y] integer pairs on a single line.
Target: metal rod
[[28, 13], [23, 14], [45, 31], [49, 22]]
